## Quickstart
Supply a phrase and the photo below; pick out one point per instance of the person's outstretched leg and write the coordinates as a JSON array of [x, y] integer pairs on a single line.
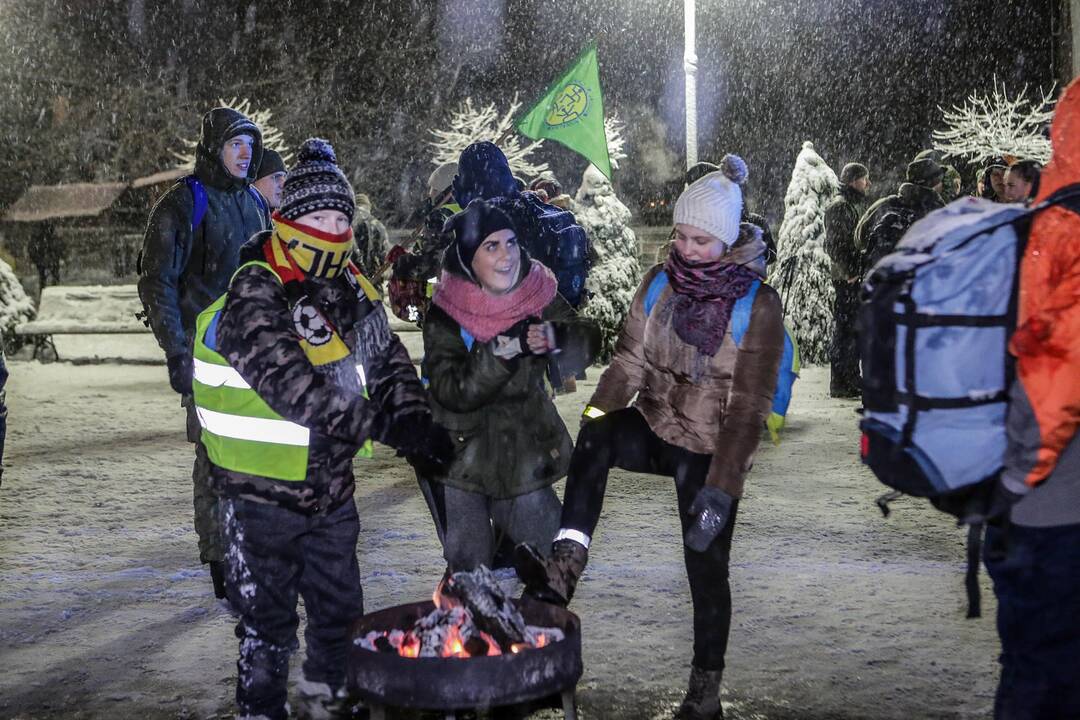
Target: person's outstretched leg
[[619, 439]]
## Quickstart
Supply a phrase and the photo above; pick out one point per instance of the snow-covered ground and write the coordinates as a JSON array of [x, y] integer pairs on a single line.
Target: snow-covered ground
[[839, 613]]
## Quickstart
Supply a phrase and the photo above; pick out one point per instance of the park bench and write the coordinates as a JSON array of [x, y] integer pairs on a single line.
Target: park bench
[[110, 310], [82, 310]]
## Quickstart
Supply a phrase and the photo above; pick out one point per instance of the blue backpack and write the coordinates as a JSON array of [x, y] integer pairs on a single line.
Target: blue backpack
[[198, 195], [934, 329], [933, 334], [740, 322]]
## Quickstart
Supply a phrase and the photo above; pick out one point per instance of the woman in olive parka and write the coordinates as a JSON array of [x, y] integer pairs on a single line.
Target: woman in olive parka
[[496, 329]]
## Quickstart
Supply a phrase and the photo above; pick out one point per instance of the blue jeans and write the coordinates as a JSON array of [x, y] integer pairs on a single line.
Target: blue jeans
[[1036, 574]]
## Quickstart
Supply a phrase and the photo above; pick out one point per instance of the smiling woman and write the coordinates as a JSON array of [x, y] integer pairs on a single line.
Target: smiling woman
[[498, 329]]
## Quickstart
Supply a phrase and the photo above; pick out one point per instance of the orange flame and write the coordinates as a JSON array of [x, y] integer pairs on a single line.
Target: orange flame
[[410, 647]]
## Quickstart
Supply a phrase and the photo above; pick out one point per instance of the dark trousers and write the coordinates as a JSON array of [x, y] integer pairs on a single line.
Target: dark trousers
[[1036, 574], [272, 555], [3, 409], [845, 379], [623, 439], [204, 501]]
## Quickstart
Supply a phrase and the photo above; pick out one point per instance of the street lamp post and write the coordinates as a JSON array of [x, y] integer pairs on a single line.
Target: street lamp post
[[690, 68]]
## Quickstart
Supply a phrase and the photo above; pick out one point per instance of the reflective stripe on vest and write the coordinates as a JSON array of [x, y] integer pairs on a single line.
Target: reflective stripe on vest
[[240, 431]]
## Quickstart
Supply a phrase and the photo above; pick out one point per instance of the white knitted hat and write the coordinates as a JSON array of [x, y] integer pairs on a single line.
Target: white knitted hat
[[713, 203], [441, 179]]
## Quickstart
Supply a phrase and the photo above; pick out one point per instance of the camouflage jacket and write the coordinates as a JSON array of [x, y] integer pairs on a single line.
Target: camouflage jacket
[[256, 334]]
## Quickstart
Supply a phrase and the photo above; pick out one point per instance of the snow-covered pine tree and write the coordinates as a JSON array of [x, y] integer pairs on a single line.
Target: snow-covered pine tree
[[15, 305], [803, 267], [994, 125], [616, 274], [469, 124], [271, 136]]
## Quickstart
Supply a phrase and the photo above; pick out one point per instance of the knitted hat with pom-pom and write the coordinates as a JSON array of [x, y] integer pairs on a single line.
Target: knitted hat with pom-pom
[[316, 183], [713, 203]]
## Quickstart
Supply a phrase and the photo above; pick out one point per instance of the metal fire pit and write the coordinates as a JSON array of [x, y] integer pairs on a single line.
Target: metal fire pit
[[387, 680]]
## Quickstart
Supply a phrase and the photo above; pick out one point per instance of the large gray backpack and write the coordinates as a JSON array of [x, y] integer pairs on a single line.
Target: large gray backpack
[[933, 335]]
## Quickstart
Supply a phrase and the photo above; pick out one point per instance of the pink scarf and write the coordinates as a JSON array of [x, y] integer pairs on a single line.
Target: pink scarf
[[483, 315]]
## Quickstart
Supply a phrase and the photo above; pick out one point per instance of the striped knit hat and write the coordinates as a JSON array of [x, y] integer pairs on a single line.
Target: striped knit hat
[[714, 202], [316, 183]]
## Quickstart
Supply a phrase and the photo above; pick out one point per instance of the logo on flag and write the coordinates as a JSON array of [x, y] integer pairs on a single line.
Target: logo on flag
[[570, 105]]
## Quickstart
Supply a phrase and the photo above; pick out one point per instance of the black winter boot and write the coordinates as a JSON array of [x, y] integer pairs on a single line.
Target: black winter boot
[[217, 575], [702, 701], [551, 579]]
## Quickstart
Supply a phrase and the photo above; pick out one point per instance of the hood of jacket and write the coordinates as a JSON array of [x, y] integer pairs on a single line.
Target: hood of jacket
[[218, 126], [483, 172], [919, 198], [749, 250]]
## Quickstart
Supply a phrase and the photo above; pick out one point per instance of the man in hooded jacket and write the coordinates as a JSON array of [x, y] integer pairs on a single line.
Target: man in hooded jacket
[[186, 263], [886, 221]]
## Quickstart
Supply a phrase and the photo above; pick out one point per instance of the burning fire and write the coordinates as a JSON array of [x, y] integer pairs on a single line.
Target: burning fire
[[450, 631]]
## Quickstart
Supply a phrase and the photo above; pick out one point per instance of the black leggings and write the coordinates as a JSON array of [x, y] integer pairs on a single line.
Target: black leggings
[[623, 439]]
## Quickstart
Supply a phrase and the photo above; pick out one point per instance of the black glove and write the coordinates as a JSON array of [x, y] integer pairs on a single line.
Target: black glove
[[513, 342], [991, 506], [985, 502], [425, 443], [181, 368], [713, 508]]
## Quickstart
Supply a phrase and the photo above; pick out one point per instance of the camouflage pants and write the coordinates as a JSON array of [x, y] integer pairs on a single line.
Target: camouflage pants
[[207, 525]]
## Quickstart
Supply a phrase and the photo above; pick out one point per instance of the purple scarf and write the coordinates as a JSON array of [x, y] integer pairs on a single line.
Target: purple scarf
[[705, 294]]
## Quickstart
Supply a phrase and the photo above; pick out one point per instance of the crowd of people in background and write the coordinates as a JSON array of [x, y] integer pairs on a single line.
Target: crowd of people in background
[[858, 233], [262, 284]]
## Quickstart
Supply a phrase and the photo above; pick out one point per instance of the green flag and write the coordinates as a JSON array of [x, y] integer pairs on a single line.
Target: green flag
[[572, 112]]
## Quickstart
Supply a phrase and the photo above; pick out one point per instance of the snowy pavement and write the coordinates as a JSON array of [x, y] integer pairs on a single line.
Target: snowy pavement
[[839, 613]]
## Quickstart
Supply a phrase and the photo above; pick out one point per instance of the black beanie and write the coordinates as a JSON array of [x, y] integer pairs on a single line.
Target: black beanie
[[316, 183], [699, 171], [470, 227], [271, 163], [925, 172], [853, 172]]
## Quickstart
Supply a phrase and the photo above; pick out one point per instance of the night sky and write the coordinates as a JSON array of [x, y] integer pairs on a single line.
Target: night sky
[[101, 90]]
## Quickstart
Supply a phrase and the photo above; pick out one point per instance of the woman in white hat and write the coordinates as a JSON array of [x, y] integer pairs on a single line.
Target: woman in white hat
[[700, 350]]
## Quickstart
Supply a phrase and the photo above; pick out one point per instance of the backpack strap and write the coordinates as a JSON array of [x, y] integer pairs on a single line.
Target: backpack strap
[[652, 295], [261, 202], [740, 314], [198, 195], [259, 199], [467, 337], [971, 576]]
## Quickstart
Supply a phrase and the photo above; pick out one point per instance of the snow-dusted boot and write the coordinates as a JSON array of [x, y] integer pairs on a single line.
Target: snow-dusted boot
[[702, 701], [315, 701], [551, 579]]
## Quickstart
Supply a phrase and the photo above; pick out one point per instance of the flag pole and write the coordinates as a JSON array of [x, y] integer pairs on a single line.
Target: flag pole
[[690, 68]]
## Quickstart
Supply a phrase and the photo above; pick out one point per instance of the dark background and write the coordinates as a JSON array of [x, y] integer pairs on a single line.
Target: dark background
[[105, 89]]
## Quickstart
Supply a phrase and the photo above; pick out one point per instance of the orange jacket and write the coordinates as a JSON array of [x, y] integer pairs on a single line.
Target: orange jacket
[[1047, 339]]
